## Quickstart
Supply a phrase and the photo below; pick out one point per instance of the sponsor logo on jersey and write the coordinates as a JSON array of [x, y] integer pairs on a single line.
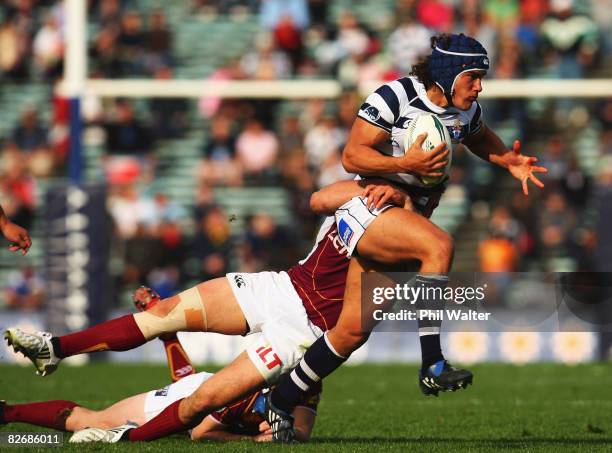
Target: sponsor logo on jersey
[[239, 281], [162, 391], [337, 243], [371, 111], [268, 357], [346, 233]]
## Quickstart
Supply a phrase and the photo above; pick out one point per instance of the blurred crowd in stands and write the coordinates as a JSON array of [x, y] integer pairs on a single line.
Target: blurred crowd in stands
[[297, 144]]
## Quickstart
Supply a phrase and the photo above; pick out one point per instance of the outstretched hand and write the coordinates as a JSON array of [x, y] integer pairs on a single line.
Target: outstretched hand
[[18, 237], [523, 168]]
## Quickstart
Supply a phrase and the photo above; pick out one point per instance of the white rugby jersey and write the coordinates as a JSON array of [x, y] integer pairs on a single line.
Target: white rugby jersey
[[392, 106]]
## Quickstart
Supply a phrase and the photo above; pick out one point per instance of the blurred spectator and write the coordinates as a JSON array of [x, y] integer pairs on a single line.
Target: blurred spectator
[[474, 25], [408, 42], [290, 135], [48, 48], [264, 239], [571, 40], [555, 159], [168, 115], [504, 225], [603, 203], [125, 134], [212, 244], [332, 170], [286, 19], [17, 187], [109, 13], [435, 14], [158, 42], [352, 38], [164, 223], [105, 54], [317, 10], [164, 281], [289, 39], [213, 7], [604, 114], [274, 12], [497, 253], [219, 164], [25, 290], [257, 151], [555, 223], [129, 209], [266, 62], [132, 41], [502, 14], [323, 140], [29, 134], [13, 58]]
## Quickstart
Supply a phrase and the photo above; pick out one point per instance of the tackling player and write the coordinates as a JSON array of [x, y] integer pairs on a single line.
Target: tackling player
[[447, 84], [241, 420], [286, 311]]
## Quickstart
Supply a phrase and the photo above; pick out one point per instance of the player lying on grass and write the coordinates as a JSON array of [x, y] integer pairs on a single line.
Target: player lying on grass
[[241, 420], [447, 84], [286, 310]]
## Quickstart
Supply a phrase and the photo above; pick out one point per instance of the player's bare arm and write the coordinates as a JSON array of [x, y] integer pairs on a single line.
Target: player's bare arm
[[16, 235], [360, 155], [487, 145], [304, 423], [378, 192]]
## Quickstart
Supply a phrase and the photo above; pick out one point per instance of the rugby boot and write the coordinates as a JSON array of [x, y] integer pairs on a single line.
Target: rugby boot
[[443, 377], [35, 346]]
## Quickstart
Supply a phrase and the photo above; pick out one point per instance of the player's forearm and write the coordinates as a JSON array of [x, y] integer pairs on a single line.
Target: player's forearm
[[366, 161], [326, 200], [488, 146]]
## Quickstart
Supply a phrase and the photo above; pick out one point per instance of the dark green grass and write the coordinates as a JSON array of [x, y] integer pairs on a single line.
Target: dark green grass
[[542, 407]]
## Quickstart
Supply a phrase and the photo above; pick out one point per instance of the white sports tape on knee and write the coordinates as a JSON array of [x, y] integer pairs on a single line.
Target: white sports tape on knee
[[189, 314]]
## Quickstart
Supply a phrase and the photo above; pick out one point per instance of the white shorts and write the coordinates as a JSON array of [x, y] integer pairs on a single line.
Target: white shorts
[[157, 400], [275, 313], [353, 218]]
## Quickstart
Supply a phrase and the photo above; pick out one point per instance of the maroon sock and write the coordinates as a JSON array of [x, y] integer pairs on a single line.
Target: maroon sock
[[51, 414], [166, 423], [119, 334], [178, 360]]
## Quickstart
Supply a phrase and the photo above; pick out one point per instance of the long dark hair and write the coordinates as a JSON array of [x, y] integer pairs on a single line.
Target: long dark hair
[[421, 69]]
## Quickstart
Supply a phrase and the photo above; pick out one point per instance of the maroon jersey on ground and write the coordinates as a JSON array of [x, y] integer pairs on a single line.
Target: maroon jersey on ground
[[240, 418], [320, 278]]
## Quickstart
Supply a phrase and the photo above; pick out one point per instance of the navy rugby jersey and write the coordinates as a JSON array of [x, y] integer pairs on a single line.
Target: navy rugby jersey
[[393, 105]]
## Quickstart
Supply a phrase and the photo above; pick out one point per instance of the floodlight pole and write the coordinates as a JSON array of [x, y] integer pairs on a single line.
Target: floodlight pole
[[75, 71]]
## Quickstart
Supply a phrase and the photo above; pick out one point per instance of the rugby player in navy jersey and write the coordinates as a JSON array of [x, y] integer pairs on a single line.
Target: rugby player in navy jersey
[[446, 83]]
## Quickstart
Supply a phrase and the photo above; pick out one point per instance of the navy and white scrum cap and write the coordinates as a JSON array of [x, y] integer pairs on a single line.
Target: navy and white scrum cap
[[463, 54]]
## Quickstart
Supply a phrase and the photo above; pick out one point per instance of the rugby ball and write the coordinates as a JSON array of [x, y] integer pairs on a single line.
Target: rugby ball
[[436, 133]]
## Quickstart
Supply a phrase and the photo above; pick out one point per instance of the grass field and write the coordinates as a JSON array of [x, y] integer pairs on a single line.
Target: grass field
[[542, 407]]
